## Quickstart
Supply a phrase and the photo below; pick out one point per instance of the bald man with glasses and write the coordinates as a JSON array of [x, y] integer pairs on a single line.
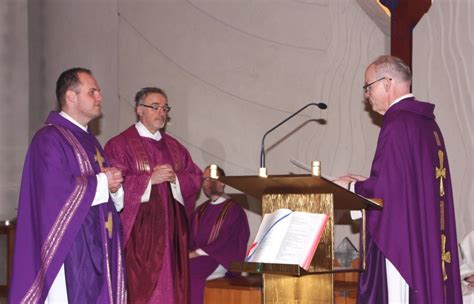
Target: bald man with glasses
[[161, 183], [412, 254]]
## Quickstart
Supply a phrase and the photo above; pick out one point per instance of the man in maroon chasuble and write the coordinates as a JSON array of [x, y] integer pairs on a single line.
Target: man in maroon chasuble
[[219, 235], [160, 186], [412, 254], [68, 245]]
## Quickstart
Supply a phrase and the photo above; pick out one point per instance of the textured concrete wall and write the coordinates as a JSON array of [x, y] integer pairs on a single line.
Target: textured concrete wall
[[232, 70], [13, 100]]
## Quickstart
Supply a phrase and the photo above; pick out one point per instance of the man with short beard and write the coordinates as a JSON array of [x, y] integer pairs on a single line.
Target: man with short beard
[[160, 186], [219, 236]]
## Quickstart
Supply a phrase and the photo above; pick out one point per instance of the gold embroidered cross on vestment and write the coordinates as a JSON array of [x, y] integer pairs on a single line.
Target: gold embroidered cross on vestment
[[99, 159], [445, 256], [441, 172], [109, 224]]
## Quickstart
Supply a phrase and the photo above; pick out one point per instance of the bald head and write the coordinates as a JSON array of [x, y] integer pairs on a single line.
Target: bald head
[[393, 67]]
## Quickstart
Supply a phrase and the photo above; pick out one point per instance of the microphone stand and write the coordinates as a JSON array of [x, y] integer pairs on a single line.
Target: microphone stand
[[263, 170]]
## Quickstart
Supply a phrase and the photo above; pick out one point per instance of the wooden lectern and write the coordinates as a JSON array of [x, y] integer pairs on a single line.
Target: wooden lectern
[[284, 283]]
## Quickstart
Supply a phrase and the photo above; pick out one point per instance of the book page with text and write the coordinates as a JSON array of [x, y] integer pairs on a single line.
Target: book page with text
[[301, 238], [269, 236], [287, 237]]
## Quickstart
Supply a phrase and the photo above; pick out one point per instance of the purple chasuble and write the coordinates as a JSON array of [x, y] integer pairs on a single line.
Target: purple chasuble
[[57, 225], [416, 229], [155, 232], [222, 231]]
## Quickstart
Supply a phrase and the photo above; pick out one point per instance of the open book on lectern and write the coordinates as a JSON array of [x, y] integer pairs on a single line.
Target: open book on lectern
[[287, 237]]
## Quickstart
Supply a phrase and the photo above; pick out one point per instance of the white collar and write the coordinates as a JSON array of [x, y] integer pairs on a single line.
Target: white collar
[[400, 99], [144, 132], [220, 200], [72, 120]]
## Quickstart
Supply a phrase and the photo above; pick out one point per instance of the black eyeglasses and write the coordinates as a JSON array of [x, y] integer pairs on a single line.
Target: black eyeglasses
[[157, 107], [367, 86]]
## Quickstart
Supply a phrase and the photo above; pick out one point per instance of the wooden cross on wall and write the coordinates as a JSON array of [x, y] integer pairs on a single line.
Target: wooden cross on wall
[[405, 14]]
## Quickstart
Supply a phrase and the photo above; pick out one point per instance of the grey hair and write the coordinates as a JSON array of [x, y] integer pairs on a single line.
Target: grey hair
[[393, 66], [143, 93]]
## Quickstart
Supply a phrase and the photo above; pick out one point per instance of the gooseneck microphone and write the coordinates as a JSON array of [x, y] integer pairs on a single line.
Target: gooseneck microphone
[[263, 170]]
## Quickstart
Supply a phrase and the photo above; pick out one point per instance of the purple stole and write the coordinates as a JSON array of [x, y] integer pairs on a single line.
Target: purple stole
[[216, 227], [142, 164], [106, 234], [119, 277]]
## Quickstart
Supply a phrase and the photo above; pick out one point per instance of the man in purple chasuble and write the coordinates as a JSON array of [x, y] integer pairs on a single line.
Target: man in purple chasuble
[[161, 182], [412, 254], [219, 235], [68, 245]]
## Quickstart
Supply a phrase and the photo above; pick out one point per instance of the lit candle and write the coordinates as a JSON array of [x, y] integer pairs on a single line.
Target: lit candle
[[315, 168], [213, 172]]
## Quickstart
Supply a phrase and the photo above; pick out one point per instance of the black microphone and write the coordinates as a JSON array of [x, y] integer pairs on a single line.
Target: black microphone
[[262, 171]]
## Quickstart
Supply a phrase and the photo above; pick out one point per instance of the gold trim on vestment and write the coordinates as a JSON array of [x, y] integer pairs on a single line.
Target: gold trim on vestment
[[441, 172], [121, 293], [438, 142], [63, 219], [445, 256], [107, 262], [99, 159], [441, 213]]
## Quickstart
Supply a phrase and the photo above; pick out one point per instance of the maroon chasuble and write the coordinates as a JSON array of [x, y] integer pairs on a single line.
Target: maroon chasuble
[[155, 232]]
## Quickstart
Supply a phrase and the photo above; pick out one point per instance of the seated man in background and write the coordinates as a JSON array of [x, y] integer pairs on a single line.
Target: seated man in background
[[219, 232]]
